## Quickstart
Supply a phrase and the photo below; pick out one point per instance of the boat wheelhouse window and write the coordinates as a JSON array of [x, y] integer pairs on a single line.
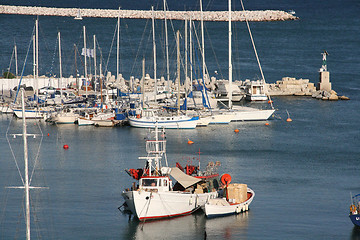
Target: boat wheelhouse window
[[168, 118], [149, 182], [165, 182]]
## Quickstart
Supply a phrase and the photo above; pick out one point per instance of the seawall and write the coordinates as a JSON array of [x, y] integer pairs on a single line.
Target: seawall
[[254, 16]]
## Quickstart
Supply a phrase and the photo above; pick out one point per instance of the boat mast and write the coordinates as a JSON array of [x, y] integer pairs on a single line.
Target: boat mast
[[154, 51], [190, 53], [167, 50], [186, 61], [178, 70], [230, 59], [143, 83], [202, 42], [37, 57], [94, 37], [86, 93], [26, 167], [34, 63], [118, 46], [60, 83], [76, 70], [16, 61]]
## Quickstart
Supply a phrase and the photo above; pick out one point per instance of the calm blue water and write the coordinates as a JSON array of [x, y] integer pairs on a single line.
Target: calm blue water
[[302, 172]]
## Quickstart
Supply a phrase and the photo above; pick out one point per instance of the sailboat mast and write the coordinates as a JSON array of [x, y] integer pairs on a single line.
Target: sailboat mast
[[186, 51], [37, 56], [143, 83], [154, 51], [190, 53], [118, 46], [94, 37], [230, 59], [16, 61], [34, 61], [167, 50], [60, 79], [202, 42], [178, 70], [26, 167], [85, 61]]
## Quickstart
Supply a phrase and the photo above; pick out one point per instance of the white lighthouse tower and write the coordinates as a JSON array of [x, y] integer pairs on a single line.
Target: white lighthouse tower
[[324, 80]]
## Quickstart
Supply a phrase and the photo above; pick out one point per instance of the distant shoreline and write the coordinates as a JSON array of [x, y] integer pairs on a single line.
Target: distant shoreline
[[237, 16]]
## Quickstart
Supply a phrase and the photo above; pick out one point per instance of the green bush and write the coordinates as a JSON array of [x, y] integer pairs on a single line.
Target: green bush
[[8, 75]]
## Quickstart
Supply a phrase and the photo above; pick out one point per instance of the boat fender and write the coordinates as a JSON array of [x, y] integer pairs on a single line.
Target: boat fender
[[138, 116], [190, 201], [243, 208], [238, 210], [246, 207]]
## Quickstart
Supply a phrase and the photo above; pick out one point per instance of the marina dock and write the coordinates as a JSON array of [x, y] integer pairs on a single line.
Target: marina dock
[[237, 16]]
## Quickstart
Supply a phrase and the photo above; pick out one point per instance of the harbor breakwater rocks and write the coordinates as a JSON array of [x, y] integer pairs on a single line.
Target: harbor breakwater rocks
[[254, 16]]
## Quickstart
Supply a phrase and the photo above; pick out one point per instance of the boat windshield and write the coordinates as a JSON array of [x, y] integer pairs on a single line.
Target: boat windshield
[[149, 182]]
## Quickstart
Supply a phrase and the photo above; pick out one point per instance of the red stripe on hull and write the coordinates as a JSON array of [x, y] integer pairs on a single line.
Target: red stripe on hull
[[167, 216]]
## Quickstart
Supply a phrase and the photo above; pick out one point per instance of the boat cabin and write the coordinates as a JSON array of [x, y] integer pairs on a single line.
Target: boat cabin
[[155, 183]]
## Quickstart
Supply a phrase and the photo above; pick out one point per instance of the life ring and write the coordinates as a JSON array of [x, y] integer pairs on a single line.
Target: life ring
[[352, 208]]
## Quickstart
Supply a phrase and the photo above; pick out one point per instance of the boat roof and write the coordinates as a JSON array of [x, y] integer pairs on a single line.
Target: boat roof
[[184, 179]]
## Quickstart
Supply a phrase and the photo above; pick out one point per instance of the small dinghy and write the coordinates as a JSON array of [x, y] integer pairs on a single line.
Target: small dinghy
[[236, 198]]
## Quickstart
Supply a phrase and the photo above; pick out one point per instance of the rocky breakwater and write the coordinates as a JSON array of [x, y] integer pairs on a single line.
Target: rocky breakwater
[[289, 86], [255, 16]]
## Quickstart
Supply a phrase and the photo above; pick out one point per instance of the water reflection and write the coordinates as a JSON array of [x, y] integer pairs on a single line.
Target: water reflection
[[195, 226], [355, 235]]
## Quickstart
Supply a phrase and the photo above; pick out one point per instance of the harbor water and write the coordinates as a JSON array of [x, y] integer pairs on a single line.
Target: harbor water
[[302, 172]]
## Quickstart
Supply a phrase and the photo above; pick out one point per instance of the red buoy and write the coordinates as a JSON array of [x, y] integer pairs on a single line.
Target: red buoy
[[225, 179], [236, 130], [48, 134], [66, 146], [190, 142], [267, 124]]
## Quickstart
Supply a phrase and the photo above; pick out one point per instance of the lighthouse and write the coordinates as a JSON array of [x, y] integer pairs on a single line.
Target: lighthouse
[[324, 76]]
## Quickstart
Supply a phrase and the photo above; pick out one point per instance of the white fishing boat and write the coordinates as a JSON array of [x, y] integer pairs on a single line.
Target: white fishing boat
[[93, 117], [242, 113], [256, 91], [149, 118], [155, 196], [33, 113], [236, 199]]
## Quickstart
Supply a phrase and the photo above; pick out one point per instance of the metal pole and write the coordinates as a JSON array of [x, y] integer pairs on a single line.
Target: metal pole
[[85, 61], [230, 63], [178, 69], [167, 50], [154, 50], [60, 79]]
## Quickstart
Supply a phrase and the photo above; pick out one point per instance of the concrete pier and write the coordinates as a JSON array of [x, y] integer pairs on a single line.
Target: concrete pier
[[254, 16]]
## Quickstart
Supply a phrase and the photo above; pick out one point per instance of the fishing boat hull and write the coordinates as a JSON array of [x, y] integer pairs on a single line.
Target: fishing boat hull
[[214, 208], [84, 122], [151, 205], [355, 219], [181, 122]]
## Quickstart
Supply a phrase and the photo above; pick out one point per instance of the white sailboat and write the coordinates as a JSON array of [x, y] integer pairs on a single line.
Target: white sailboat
[[78, 16], [156, 197]]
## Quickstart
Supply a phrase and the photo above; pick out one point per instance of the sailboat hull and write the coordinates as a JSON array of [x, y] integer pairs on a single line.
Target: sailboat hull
[[171, 123]]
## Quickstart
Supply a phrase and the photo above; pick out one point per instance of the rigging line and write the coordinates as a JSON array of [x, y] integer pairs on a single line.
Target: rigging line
[[23, 69], [11, 59], [257, 57], [111, 46], [212, 48], [37, 154], [138, 51]]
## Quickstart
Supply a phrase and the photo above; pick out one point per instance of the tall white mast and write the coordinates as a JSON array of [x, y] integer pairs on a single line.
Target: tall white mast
[[167, 50], [86, 94], [143, 84], [118, 46], [16, 62], [186, 54], [202, 42], [230, 59], [154, 51], [26, 167], [178, 70], [94, 37], [190, 53], [34, 61], [37, 56], [60, 70]]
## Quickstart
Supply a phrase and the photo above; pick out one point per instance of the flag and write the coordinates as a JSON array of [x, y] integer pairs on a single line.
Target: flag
[[89, 52]]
